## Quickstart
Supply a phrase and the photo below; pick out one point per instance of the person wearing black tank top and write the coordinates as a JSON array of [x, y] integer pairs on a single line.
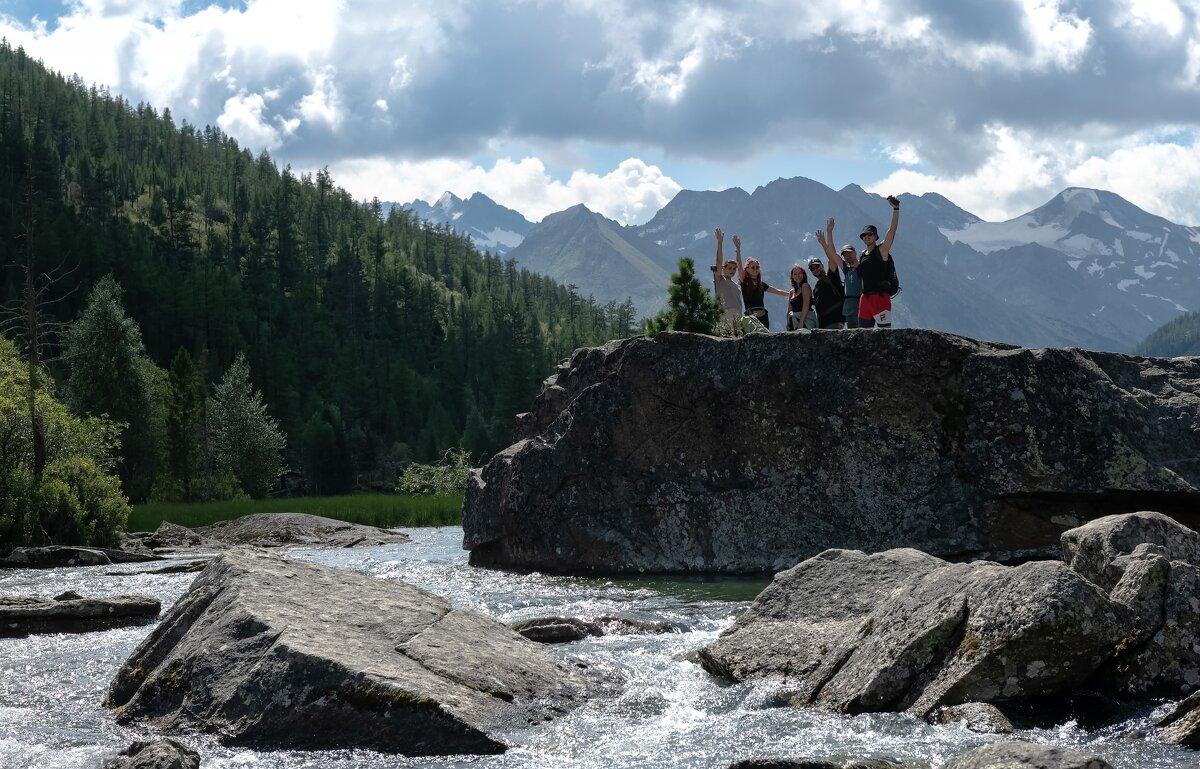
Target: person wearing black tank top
[[754, 288], [875, 305]]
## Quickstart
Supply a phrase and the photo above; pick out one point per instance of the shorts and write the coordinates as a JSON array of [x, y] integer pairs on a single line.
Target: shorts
[[853, 321], [876, 307]]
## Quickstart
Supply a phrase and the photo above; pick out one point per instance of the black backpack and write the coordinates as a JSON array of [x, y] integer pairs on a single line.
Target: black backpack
[[893, 280]]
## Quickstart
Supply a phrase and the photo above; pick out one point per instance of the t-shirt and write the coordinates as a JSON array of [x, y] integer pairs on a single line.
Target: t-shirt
[[730, 294], [828, 296], [752, 295], [853, 283]]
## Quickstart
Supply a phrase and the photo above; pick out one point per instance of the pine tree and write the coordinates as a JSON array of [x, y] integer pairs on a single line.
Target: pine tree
[[185, 423], [246, 440], [109, 374], [690, 308]]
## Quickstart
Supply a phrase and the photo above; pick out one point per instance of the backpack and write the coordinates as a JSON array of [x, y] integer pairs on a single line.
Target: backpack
[[893, 279], [751, 325]]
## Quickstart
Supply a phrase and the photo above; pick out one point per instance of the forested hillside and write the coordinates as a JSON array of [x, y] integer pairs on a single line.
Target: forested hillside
[[1178, 337], [373, 338]]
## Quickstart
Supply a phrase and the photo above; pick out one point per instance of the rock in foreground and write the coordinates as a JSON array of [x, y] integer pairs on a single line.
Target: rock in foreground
[[163, 754], [689, 453], [280, 653], [901, 630], [1026, 755], [70, 613]]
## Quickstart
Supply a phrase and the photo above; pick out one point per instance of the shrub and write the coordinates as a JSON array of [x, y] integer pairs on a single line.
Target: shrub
[[449, 476]]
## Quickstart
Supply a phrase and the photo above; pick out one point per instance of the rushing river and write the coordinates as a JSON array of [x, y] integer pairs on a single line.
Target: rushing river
[[670, 713]]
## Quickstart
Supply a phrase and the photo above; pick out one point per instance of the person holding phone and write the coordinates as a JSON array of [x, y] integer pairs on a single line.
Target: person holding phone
[[875, 304]]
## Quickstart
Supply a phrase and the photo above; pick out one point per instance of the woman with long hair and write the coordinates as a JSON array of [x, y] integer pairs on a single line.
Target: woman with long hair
[[754, 288], [800, 312]]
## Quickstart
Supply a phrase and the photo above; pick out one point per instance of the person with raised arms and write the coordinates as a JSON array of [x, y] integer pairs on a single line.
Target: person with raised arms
[[847, 262], [754, 288], [727, 275], [875, 304]]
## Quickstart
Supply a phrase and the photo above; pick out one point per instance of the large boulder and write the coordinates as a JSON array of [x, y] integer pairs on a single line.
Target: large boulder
[[72, 613], [1026, 755], [1182, 724], [689, 453], [273, 652], [901, 630], [1150, 563]]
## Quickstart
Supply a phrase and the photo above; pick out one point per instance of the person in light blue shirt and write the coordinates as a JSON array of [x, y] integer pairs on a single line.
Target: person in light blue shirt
[[847, 262]]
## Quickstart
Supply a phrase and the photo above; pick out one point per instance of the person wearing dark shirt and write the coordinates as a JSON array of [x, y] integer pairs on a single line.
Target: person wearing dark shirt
[[800, 305], [828, 294], [754, 288], [875, 305]]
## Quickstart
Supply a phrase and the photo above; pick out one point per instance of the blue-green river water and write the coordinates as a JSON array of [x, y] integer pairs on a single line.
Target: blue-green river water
[[669, 714]]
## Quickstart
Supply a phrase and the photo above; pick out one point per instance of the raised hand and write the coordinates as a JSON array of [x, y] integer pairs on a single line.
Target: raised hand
[[894, 202], [821, 237], [829, 224], [720, 235], [737, 243]]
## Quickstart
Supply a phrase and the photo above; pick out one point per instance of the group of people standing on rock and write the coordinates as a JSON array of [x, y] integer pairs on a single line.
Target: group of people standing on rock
[[852, 291]]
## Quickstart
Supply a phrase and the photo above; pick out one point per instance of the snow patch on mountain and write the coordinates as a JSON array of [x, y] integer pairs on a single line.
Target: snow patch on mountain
[[994, 236], [1125, 284]]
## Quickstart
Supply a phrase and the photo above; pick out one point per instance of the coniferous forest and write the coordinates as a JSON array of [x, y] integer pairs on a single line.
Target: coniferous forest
[[373, 338]]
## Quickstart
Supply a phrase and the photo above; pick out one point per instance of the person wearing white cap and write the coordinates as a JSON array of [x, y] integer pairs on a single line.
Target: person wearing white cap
[[847, 262]]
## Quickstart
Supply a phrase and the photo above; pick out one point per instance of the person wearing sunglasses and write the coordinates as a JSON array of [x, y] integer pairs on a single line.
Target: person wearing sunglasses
[[847, 262], [754, 288], [875, 304], [727, 275]]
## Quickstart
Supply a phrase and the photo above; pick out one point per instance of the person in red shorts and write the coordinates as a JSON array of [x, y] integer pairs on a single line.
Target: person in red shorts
[[875, 305]]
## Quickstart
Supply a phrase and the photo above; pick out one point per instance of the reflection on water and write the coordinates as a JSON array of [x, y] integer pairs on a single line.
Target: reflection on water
[[670, 713]]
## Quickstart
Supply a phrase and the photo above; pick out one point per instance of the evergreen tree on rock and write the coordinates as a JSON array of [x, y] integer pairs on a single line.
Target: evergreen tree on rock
[[690, 307]]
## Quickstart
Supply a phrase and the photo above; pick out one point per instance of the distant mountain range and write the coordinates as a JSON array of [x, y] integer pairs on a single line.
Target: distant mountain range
[[490, 225], [1087, 269]]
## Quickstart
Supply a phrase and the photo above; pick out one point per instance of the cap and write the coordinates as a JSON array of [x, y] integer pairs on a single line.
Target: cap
[[870, 229], [814, 262], [849, 247]]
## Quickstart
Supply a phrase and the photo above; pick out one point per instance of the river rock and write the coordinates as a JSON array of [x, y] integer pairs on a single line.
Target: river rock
[[1182, 724], [1152, 564], [162, 754], [815, 763], [901, 630], [555, 630], [273, 652], [979, 717], [297, 530], [71, 613], [690, 453], [808, 610], [1025, 755], [56, 556]]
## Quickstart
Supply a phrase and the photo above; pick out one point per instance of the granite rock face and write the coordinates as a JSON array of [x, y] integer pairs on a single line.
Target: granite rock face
[[259, 530], [690, 453], [273, 652]]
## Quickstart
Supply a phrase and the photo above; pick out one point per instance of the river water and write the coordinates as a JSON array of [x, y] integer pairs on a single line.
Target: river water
[[670, 714]]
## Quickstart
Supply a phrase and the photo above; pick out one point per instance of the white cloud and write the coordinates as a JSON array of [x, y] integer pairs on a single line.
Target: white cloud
[[243, 120], [322, 103], [1023, 171], [1156, 15], [631, 193]]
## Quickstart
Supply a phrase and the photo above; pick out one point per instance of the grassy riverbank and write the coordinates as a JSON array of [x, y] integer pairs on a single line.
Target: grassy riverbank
[[387, 510]]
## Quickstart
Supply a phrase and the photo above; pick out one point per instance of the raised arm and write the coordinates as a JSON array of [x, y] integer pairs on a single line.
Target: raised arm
[[826, 240], [737, 247], [885, 247], [720, 256]]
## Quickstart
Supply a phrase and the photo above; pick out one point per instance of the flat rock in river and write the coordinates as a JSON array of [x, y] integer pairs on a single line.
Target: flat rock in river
[[297, 530], [161, 754], [70, 613], [56, 556], [268, 651], [1026, 755]]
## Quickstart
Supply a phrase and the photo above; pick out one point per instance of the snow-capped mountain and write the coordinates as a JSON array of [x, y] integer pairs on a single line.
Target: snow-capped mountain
[[492, 226], [1155, 263]]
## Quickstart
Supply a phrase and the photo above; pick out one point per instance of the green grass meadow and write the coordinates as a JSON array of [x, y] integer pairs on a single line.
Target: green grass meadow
[[386, 510]]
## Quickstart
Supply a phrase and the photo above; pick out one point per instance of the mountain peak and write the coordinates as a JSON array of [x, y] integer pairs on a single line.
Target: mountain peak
[[448, 200]]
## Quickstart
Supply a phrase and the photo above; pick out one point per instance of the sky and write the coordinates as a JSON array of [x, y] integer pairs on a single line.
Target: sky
[[618, 104]]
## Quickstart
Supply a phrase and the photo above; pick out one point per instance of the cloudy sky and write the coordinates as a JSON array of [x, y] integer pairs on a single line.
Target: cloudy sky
[[541, 104]]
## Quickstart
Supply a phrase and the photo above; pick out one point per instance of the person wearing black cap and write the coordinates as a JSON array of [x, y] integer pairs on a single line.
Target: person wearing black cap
[[875, 304], [828, 294]]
